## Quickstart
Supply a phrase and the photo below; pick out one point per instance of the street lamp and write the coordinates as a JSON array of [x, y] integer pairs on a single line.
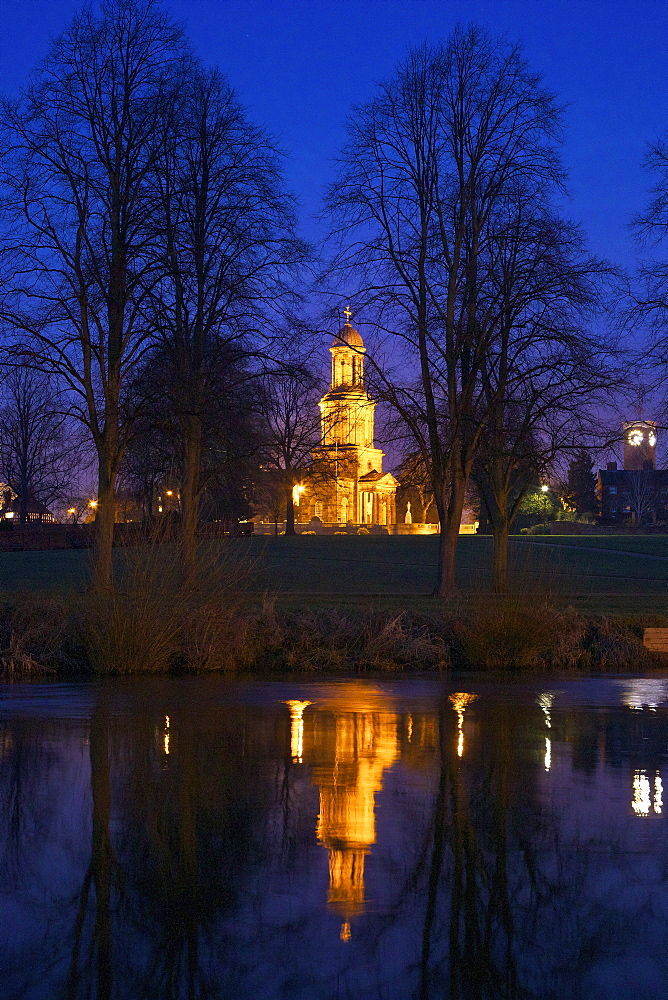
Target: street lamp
[[73, 513], [544, 488]]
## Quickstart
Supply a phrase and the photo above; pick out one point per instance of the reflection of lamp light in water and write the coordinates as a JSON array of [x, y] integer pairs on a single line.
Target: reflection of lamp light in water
[[644, 692], [642, 801], [641, 798], [165, 742], [297, 729], [545, 702], [460, 702]]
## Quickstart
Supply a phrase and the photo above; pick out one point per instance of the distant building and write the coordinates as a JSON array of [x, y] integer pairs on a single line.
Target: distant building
[[35, 512], [346, 483], [638, 493]]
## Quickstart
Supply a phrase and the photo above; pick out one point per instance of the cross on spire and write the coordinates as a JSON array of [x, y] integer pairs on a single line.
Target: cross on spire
[[347, 312]]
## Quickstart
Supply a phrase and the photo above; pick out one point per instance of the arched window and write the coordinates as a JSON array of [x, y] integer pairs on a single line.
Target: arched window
[[318, 508]]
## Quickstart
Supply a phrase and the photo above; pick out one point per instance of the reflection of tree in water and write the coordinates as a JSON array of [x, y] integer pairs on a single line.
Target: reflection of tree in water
[[193, 824], [223, 861], [27, 763], [163, 853], [513, 906]]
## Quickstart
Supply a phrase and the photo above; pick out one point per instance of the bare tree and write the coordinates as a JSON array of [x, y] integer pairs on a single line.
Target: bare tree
[[39, 459], [429, 172], [413, 473], [229, 255], [545, 372], [230, 435], [650, 300], [78, 185], [642, 493], [291, 430]]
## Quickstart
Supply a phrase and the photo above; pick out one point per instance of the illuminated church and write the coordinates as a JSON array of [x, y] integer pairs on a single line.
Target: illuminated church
[[347, 484]]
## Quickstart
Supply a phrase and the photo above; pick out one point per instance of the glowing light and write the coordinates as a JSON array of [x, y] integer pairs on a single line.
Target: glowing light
[[9, 515], [644, 693], [348, 768], [544, 488], [296, 493], [652, 439], [641, 802], [545, 701], [658, 794], [635, 437], [297, 729], [548, 753], [460, 702], [410, 727], [165, 739], [92, 503], [71, 510], [169, 493]]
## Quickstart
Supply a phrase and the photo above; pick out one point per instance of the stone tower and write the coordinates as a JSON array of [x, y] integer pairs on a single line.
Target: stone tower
[[639, 445], [349, 484]]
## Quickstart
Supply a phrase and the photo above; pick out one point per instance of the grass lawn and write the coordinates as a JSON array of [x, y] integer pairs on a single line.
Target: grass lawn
[[399, 571], [651, 545]]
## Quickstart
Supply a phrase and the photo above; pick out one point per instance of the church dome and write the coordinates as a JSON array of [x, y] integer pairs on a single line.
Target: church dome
[[347, 335]]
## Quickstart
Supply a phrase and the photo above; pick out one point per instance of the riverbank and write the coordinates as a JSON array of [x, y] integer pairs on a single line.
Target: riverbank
[[89, 635], [322, 604]]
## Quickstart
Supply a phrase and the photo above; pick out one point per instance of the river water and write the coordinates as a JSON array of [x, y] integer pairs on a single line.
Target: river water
[[418, 838]]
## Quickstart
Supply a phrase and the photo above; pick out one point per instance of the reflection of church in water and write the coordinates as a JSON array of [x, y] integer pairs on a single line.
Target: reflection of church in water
[[349, 746], [347, 484], [350, 738]]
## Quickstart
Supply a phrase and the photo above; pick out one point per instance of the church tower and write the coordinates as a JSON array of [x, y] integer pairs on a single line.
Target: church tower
[[347, 412], [353, 487]]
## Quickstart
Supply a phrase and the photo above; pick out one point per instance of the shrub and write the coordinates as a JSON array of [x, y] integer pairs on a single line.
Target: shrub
[[348, 639], [508, 632], [36, 638], [154, 619]]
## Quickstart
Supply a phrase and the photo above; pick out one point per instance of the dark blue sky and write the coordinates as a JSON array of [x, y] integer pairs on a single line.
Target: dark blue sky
[[299, 65]]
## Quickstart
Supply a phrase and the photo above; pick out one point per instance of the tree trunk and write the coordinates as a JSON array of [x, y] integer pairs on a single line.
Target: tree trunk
[[289, 511], [449, 538], [501, 529], [23, 502], [192, 454], [105, 516]]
